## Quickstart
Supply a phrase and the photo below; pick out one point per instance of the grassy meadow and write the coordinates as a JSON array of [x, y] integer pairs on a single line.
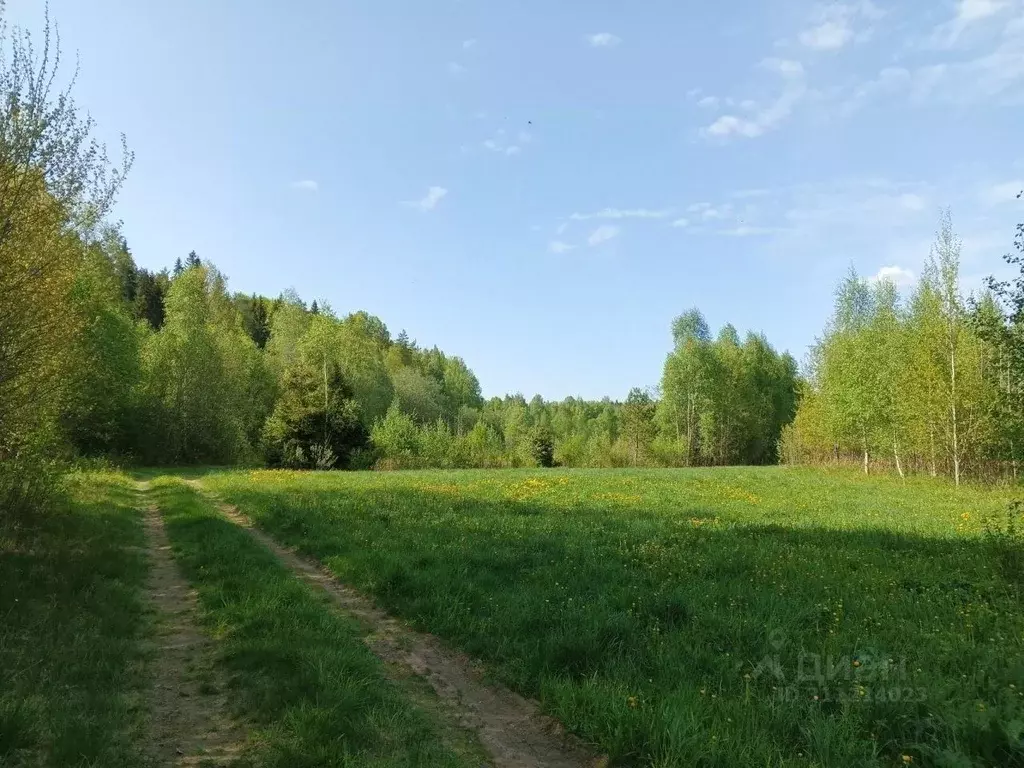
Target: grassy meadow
[[747, 616]]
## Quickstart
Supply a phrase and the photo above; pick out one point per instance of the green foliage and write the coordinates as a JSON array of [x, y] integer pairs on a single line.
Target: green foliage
[[722, 402], [638, 423], [919, 384], [57, 185], [315, 424], [396, 437], [200, 374], [99, 414], [543, 446]]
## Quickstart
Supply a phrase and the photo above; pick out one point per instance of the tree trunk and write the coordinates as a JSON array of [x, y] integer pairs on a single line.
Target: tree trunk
[[952, 392], [326, 403], [896, 454], [931, 435]]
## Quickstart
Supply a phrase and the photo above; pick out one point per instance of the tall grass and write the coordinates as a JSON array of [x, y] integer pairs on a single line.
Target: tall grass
[[722, 617]]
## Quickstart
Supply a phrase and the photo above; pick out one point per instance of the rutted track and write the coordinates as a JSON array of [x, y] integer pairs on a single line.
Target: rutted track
[[510, 727], [188, 725]]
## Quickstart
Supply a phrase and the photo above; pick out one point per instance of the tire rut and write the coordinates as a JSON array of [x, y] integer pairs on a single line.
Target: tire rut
[[188, 720], [510, 727]]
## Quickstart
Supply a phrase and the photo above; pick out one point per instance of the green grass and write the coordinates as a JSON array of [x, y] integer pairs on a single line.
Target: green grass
[[674, 617], [298, 671], [70, 622]]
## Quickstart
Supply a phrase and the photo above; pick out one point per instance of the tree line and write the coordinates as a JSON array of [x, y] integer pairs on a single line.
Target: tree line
[[930, 382]]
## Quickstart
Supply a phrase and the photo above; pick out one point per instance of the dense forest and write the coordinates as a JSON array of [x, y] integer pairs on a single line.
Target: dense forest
[[102, 358]]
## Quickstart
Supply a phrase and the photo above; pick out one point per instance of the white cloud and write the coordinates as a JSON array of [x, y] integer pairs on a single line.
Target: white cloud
[[912, 202], [430, 200], [833, 26], [681, 223], [620, 213], [898, 276], [603, 234], [746, 230], [306, 185], [525, 137], [492, 145], [772, 116], [1006, 192], [708, 212], [710, 102], [827, 36], [968, 11], [455, 69], [993, 72], [513, 150], [557, 246], [467, 44], [603, 40]]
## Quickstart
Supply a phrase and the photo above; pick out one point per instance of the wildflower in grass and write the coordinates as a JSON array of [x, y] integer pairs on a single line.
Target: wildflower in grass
[[907, 758], [631, 702]]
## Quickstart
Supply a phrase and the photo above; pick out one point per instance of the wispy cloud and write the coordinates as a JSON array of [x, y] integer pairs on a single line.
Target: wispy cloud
[[834, 26], [603, 234], [969, 14], [1005, 192], [708, 212], [620, 213], [827, 36], [306, 185], [772, 116], [991, 70], [975, 10], [710, 102], [603, 40], [429, 201], [467, 44], [500, 144], [898, 276], [747, 230], [557, 246], [455, 69], [681, 223]]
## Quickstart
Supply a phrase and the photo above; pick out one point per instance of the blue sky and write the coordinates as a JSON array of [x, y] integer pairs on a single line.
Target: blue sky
[[540, 187]]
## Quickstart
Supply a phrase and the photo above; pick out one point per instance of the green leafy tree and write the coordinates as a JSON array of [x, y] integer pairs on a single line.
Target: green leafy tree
[[57, 186], [196, 390], [543, 446], [395, 437], [638, 423], [315, 424]]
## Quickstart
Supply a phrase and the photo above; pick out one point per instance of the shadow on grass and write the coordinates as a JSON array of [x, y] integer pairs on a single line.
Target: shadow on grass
[[649, 634], [70, 623]]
